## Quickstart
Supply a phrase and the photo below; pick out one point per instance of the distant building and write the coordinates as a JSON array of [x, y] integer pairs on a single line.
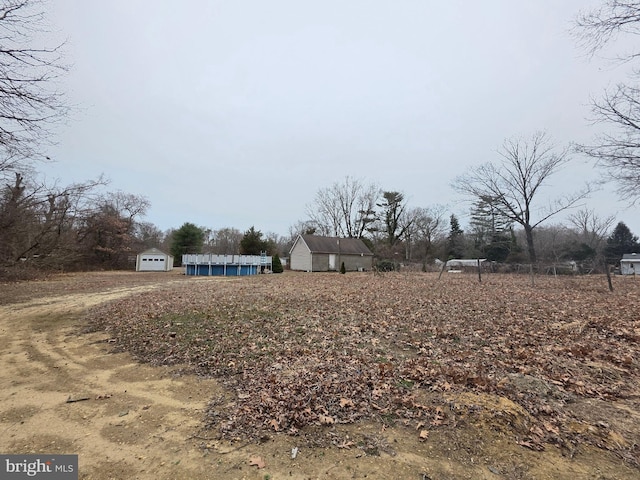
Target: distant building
[[455, 263], [312, 253], [630, 264], [154, 260]]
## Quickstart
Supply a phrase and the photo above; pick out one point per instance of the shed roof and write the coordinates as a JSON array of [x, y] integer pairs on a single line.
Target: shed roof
[[153, 251], [342, 246], [465, 262], [634, 257]]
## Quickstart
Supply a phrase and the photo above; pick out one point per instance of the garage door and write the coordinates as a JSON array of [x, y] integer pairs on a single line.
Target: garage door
[[153, 263]]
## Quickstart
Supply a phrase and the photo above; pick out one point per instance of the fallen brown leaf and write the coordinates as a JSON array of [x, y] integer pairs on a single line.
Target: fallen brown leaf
[[326, 420], [257, 461], [345, 402], [324, 351]]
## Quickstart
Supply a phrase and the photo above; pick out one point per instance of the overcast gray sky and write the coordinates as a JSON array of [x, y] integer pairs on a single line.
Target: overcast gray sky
[[234, 113]]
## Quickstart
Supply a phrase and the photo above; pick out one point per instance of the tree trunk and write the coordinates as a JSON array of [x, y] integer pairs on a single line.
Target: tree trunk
[[530, 248], [607, 271]]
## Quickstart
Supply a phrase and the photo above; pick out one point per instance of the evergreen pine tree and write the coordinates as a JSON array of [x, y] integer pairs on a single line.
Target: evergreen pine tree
[[455, 239], [490, 230], [252, 242], [621, 241], [276, 264], [189, 238]]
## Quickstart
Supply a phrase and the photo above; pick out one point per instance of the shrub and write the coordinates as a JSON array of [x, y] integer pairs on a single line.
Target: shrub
[[276, 264], [385, 266]]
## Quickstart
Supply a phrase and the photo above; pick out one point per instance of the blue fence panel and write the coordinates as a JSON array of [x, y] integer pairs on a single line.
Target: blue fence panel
[[232, 270]]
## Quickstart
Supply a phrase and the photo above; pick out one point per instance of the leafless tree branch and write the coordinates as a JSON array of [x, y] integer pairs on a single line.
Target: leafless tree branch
[[29, 103], [513, 184], [618, 153]]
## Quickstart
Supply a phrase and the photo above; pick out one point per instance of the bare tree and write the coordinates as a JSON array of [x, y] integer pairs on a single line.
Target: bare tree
[[553, 244], [226, 241], [301, 227], [617, 152], [325, 213], [148, 235], [427, 227], [596, 28], [592, 229], [513, 184], [344, 209], [28, 102], [127, 206], [40, 222], [107, 230]]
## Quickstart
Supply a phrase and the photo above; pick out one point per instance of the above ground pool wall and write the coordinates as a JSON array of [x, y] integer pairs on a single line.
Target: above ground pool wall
[[229, 270], [225, 265]]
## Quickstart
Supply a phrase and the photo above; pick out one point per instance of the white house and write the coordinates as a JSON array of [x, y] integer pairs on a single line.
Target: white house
[[630, 264], [154, 260]]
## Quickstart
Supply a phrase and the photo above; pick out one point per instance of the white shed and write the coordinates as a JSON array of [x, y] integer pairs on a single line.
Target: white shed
[[465, 262], [630, 264], [154, 260]]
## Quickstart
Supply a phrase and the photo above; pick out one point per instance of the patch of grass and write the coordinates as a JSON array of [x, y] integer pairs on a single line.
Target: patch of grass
[[389, 419], [406, 384]]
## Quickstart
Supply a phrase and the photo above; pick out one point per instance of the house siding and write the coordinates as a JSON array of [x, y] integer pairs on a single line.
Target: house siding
[[300, 257], [321, 262], [630, 264], [356, 262], [352, 263]]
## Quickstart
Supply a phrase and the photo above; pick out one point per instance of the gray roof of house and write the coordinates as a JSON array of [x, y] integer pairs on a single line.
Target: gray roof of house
[[631, 256], [342, 246]]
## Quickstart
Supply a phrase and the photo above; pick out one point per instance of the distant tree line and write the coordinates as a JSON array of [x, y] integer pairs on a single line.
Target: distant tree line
[[77, 227], [400, 234]]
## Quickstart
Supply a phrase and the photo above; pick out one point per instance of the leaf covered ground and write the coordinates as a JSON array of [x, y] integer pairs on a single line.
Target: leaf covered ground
[[308, 351]]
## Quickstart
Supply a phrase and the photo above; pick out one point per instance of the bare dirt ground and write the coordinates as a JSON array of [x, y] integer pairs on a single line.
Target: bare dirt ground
[[64, 391]]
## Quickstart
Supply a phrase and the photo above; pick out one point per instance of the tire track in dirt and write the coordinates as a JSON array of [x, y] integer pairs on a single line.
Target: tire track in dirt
[[135, 419]]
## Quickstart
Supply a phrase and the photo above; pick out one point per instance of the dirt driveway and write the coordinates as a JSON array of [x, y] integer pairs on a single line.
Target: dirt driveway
[[64, 391]]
